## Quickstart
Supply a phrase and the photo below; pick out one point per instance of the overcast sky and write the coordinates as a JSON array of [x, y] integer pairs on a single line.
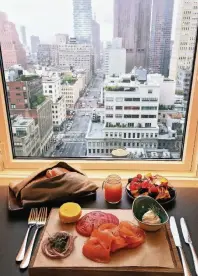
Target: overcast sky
[[48, 17]]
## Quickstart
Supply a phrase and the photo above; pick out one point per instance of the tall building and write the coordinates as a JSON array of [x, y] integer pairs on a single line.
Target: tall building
[[47, 54], [77, 56], [131, 110], [114, 58], [25, 96], [35, 41], [132, 23], [26, 136], [185, 37], [52, 89], [160, 41], [82, 19], [23, 35], [12, 50], [96, 42]]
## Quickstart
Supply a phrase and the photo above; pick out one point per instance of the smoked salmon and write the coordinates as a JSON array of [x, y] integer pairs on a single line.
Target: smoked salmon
[[109, 238]]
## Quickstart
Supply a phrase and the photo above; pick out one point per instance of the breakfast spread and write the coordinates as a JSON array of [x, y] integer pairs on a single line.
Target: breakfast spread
[[59, 246]]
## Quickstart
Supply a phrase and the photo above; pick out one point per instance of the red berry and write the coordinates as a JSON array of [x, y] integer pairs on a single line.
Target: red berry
[[134, 186], [135, 179], [154, 189], [145, 184], [139, 176]]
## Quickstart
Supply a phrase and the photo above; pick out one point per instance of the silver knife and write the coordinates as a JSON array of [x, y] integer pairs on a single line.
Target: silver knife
[[175, 233], [188, 240]]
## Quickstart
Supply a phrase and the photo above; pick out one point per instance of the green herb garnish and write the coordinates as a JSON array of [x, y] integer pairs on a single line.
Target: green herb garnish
[[59, 242]]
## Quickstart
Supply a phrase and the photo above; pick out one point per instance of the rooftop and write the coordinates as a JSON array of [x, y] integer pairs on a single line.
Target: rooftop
[[69, 80], [95, 130], [27, 78], [21, 122]]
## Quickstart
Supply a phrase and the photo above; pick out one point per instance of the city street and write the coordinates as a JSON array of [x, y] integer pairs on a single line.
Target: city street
[[73, 140]]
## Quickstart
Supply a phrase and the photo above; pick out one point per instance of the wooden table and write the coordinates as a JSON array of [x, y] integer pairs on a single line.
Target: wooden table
[[13, 226]]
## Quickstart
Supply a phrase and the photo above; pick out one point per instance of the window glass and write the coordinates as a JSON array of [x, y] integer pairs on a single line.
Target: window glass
[[92, 75]]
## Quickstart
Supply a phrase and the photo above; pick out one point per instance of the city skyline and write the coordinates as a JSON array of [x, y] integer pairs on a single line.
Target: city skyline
[[18, 13]]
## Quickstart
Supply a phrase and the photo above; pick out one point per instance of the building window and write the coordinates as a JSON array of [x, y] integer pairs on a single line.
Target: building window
[[131, 116], [94, 151], [118, 115], [89, 150], [13, 106], [119, 99], [107, 151], [133, 135], [147, 124], [124, 135], [102, 150], [150, 91], [109, 115], [119, 108], [129, 135], [138, 135], [98, 151]]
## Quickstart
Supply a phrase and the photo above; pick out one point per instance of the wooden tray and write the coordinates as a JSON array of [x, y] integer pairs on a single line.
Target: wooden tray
[[124, 261]]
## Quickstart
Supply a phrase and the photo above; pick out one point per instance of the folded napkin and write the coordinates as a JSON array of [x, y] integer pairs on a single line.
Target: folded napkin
[[48, 185]]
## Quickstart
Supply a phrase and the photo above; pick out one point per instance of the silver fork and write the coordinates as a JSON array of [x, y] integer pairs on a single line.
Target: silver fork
[[31, 222], [42, 218]]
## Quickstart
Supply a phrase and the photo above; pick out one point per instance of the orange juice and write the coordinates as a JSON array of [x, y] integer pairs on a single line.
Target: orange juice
[[113, 189]]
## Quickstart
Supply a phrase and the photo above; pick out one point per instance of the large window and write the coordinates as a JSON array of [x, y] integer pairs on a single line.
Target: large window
[[69, 87]]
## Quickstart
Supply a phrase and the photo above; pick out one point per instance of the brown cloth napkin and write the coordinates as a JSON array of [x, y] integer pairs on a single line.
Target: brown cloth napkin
[[38, 189]]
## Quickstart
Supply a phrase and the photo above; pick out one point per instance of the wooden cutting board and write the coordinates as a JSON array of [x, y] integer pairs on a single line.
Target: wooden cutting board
[[157, 256]]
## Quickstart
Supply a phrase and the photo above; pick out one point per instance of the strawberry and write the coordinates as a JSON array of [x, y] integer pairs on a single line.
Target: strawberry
[[154, 189], [145, 184], [134, 186], [135, 179], [139, 176]]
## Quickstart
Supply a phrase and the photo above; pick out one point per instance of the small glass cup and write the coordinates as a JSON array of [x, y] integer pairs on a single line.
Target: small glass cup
[[113, 189]]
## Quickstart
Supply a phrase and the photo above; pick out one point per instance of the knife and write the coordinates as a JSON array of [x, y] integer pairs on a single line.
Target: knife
[[175, 233], [188, 240]]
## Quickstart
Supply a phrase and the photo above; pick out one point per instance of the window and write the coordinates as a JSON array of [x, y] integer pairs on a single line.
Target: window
[[123, 104], [118, 115], [131, 116], [119, 99], [109, 99], [147, 124]]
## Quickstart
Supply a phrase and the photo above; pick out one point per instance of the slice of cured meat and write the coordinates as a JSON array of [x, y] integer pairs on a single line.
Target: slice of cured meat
[[86, 224], [97, 248], [133, 235], [109, 238]]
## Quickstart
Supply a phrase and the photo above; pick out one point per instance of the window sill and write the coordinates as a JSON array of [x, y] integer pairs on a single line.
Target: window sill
[[98, 176]]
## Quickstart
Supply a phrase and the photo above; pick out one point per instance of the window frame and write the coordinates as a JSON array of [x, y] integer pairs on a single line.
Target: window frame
[[187, 166]]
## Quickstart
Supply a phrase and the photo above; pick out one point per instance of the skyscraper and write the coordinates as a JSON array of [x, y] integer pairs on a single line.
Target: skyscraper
[[185, 37], [160, 41], [35, 41], [96, 42], [132, 23], [82, 18], [23, 35], [12, 49]]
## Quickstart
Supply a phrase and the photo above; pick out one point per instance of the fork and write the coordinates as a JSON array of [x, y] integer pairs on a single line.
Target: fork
[[41, 220], [31, 222]]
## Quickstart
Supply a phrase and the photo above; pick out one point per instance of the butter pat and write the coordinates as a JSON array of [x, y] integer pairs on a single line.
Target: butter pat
[[151, 218]]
